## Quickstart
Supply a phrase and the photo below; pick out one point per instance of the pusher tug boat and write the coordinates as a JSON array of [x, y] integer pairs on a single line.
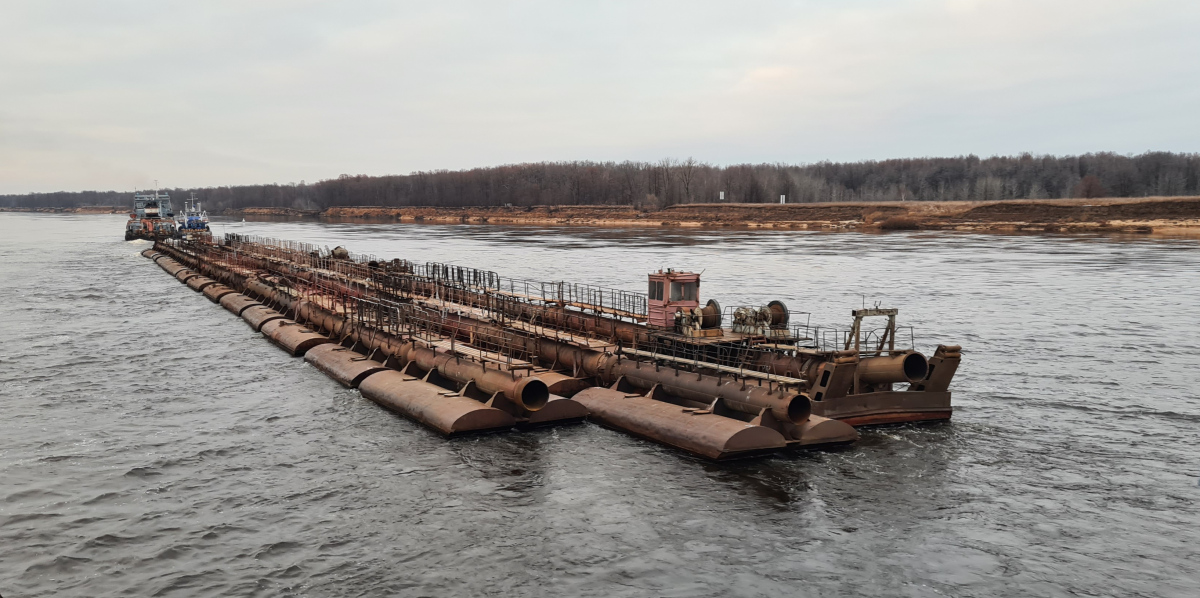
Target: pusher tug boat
[[152, 217], [193, 220]]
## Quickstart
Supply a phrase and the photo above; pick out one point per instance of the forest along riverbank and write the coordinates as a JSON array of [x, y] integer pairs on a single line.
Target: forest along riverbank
[[1171, 216]]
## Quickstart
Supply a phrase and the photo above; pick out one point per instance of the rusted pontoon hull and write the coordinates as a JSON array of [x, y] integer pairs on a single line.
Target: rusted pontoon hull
[[879, 408], [237, 303], [445, 411], [559, 410], [216, 292], [199, 283], [693, 430], [258, 316], [347, 367], [292, 336]]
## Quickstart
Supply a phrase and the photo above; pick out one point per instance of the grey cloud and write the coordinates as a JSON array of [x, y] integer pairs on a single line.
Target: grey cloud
[[116, 94]]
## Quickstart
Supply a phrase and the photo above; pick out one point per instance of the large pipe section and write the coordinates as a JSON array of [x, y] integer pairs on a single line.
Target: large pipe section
[[336, 325], [739, 395], [902, 367], [528, 392], [907, 366]]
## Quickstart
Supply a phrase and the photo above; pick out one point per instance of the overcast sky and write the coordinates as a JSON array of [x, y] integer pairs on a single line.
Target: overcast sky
[[113, 95]]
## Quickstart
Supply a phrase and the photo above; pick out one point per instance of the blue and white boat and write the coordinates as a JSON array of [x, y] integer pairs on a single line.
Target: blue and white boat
[[193, 219]]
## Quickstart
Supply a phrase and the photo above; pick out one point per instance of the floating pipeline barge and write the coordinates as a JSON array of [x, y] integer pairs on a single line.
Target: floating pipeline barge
[[465, 351]]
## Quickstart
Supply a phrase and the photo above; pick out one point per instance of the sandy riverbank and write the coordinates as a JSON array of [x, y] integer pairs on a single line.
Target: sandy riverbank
[[1173, 215]]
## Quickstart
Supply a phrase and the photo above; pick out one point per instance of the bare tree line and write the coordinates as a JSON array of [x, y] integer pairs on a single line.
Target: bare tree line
[[669, 181]]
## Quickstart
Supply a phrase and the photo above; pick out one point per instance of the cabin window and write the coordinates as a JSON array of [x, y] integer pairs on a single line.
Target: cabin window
[[683, 291], [656, 290]]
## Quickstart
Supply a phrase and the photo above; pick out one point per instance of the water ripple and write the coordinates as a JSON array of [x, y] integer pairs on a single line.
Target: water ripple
[[152, 444]]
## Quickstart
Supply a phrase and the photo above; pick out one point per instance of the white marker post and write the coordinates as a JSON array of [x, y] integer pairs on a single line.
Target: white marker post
[[722, 196], [782, 199]]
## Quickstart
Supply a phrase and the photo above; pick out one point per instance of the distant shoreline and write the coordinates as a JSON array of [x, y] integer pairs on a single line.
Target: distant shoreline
[[1167, 215], [1154, 215], [75, 210]]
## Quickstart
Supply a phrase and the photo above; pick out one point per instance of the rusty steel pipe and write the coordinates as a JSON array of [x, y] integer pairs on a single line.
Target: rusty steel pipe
[[903, 367], [265, 290], [321, 317], [802, 367], [260, 288], [388, 344], [373, 339], [739, 395], [564, 356], [530, 393]]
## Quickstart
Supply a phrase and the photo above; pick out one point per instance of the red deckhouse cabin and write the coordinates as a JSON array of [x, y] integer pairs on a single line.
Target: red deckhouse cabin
[[671, 291]]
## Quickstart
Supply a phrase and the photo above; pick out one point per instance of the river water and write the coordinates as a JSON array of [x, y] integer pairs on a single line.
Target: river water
[[152, 444]]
